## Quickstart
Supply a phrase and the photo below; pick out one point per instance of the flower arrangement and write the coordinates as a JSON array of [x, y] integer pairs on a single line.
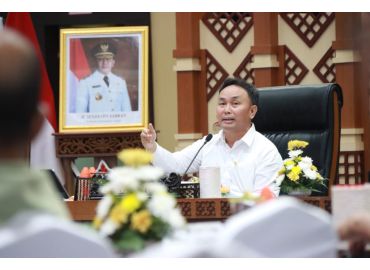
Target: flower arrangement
[[298, 173], [136, 208]]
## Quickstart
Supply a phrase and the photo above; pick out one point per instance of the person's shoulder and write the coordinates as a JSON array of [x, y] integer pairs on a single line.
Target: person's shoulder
[[116, 77], [87, 78], [18, 173], [214, 139], [262, 139]]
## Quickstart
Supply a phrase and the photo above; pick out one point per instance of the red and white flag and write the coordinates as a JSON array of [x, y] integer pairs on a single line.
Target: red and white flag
[[43, 154], [78, 68]]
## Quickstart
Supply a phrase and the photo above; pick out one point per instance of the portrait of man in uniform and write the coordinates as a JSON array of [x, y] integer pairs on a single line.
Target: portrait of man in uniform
[[104, 79], [103, 91]]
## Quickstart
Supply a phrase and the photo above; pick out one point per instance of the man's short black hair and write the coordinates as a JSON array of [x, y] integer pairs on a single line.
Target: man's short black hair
[[249, 88], [19, 87]]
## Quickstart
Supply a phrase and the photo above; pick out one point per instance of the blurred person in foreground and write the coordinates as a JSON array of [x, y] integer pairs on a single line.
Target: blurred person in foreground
[[248, 161], [21, 189]]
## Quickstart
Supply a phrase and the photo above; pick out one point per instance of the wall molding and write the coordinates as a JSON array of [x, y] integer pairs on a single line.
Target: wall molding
[[351, 139], [187, 64], [265, 61], [185, 139], [346, 56]]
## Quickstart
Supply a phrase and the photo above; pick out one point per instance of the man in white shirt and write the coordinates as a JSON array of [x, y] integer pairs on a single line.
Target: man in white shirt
[[103, 91], [248, 160]]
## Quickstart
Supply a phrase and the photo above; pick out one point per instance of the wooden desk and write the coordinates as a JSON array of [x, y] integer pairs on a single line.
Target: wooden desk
[[192, 209]]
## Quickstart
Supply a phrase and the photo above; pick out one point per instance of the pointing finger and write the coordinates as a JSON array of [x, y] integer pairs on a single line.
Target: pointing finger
[[151, 128]]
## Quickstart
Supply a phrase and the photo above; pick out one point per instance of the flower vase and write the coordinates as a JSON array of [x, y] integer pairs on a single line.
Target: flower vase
[[300, 192]]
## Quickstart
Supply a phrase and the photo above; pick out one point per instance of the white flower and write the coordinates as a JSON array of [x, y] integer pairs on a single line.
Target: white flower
[[175, 219], [123, 178], [155, 187], [288, 167], [279, 179], [108, 227], [103, 207], [142, 196], [295, 153], [310, 174], [148, 173], [305, 163], [161, 204]]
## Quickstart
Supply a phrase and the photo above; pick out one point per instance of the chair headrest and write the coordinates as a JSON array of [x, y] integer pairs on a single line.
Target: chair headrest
[[296, 108]]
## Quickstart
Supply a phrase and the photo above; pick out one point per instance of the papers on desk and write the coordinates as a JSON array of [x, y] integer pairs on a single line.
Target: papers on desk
[[348, 200], [280, 228]]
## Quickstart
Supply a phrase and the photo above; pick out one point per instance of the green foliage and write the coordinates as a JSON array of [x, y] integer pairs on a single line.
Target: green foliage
[[128, 240]]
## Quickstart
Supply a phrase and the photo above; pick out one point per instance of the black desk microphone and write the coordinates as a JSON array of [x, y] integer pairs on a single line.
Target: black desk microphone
[[208, 138], [173, 181]]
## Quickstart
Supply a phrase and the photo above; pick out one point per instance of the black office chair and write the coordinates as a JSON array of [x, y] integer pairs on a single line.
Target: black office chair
[[304, 112]]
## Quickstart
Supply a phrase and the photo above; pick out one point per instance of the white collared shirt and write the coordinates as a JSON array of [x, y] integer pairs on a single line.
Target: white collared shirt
[[250, 165]]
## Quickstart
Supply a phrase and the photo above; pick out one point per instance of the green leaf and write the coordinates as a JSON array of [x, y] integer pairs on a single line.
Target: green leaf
[[129, 240], [159, 229]]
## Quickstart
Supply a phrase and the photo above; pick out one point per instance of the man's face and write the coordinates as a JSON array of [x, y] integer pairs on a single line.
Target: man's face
[[105, 64], [234, 110]]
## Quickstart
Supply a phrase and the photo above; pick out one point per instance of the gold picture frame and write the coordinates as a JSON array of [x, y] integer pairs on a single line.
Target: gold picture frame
[[89, 102]]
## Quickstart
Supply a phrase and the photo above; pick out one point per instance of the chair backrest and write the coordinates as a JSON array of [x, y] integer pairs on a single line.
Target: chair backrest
[[35, 235], [304, 112]]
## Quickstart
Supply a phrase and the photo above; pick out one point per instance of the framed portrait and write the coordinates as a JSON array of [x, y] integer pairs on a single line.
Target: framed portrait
[[103, 79]]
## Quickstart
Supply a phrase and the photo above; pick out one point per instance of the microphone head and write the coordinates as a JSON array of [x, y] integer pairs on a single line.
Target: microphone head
[[209, 137]]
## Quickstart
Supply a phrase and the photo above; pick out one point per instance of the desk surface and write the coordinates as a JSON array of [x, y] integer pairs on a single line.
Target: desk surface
[[192, 209]]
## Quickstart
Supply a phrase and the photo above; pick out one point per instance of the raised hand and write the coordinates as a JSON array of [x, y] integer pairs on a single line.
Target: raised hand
[[148, 137]]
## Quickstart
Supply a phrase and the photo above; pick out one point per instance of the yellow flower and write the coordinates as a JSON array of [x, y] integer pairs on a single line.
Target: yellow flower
[[118, 214], [314, 168], [97, 222], [296, 169], [282, 171], [296, 144], [224, 189], [141, 221], [294, 173], [130, 203], [289, 163], [135, 157], [319, 177]]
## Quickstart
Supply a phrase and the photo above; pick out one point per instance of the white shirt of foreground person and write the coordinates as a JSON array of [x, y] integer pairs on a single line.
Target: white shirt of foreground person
[[250, 165], [93, 94]]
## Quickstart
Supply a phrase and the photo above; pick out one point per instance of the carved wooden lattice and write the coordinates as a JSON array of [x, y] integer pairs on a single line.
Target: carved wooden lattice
[[78, 145], [216, 74], [185, 209], [218, 209], [308, 26], [295, 70], [228, 27], [244, 70], [225, 208], [205, 209], [325, 68], [351, 168]]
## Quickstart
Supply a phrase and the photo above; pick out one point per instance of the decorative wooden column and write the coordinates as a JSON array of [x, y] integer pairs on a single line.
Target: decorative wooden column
[[191, 95], [363, 39], [348, 73], [265, 50]]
